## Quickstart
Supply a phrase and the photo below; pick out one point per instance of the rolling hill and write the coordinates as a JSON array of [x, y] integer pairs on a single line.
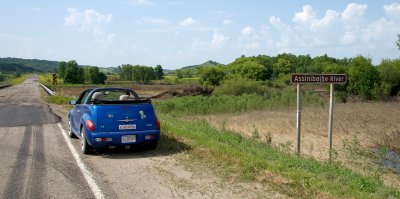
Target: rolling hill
[[10, 65], [207, 63]]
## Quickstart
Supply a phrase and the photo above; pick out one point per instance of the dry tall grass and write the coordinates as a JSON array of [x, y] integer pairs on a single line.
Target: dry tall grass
[[373, 124]]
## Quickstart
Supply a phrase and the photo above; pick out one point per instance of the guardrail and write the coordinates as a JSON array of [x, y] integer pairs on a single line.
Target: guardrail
[[50, 92]]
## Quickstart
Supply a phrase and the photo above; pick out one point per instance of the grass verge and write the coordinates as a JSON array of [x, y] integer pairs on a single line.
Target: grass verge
[[58, 99], [19, 80], [247, 159]]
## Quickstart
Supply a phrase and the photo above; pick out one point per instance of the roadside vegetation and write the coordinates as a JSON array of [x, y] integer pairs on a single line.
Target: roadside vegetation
[[239, 158], [273, 99], [12, 79]]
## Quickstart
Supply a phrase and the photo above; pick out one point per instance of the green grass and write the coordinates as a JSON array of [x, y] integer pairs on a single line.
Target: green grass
[[20, 79], [46, 79], [194, 105], [58, 99], [232, 155]]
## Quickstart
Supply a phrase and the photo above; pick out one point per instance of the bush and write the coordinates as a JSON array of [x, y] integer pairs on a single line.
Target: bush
[[239, 87], [390, 74], [195, 105], [363, 77], [381, 92], [211, 75]]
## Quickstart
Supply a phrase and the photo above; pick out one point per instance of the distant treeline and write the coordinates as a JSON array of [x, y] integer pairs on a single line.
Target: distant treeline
[[140, 74], [72, 73], [364, 79]]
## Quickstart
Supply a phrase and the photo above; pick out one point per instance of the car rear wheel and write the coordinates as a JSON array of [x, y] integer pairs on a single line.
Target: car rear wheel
[[86, 148], [70, 133], [151, 145]]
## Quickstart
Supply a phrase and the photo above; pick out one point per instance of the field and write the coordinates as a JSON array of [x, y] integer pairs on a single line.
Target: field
[[359, 128]]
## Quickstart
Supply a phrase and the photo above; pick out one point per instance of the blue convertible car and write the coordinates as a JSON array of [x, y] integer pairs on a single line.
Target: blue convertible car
[[108, 117]]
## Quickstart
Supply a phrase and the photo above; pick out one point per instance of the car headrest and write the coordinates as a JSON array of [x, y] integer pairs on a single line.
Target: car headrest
[[124, 97], [98, 96]]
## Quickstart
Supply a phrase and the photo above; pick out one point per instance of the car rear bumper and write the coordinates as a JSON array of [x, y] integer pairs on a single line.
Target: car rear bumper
[[102, 139]]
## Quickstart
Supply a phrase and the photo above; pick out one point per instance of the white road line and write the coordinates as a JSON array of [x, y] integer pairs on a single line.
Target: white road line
[[86, 173]]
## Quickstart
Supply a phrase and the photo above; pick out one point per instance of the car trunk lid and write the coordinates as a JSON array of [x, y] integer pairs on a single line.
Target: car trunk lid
[[126, 117]]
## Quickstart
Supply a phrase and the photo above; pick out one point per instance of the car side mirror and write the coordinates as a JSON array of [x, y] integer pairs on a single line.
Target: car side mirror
[[72, 102]]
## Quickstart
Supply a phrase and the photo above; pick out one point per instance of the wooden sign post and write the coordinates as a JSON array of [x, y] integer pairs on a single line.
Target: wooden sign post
[[303, 78]]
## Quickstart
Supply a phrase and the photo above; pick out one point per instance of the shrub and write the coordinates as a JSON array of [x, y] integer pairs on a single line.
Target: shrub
[[211, 75], [239, 87], [363, 77]]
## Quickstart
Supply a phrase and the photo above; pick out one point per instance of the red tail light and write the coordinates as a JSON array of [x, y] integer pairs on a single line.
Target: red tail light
[[158, 125], [90, 125]]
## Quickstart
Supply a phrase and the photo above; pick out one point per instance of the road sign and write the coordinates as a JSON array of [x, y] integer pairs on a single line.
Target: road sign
[[304, 78], [54, 79]]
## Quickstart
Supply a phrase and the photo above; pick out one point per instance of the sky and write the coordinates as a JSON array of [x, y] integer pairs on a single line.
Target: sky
[[178, 33]]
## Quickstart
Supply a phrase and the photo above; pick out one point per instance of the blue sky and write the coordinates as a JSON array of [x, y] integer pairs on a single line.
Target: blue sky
[[177, 33]]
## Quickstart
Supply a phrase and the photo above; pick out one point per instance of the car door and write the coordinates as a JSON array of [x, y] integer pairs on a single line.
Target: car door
[[77, 113]]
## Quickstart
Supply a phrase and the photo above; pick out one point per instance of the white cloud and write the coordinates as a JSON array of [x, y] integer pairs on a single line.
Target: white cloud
[[392, 11], [253, 45], [328, 21], [353, 13], [306, 16], [156, 21], [347, 32], [92, 22], [188, 22], [276, 23], [218, 39], [227, 22], [348, 38], [247, 31], [381, 33]]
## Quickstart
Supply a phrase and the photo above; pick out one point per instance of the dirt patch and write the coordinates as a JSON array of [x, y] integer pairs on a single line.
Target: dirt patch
[[152, 91]]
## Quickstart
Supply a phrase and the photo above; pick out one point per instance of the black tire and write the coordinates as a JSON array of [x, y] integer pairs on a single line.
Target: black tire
[[70, 133], [151, 145], [85, 147]]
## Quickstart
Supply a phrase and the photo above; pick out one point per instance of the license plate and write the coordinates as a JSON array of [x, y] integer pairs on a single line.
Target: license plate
[[127, 126], [128, 138]]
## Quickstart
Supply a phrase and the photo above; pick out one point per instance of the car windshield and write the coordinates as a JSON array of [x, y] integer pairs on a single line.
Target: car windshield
[[115, 96]]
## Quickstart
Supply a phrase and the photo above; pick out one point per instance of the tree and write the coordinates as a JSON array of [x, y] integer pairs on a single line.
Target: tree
[[81, 76], [390, 74], [71, 72], [126, 72], [211, 75], [143, 74], [96, 77], [62, 66], [179, 73], [363, 77], [159, 72], [248, 69]]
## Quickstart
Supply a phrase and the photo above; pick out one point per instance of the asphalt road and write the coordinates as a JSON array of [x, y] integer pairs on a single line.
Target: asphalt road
[[35, 160]]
